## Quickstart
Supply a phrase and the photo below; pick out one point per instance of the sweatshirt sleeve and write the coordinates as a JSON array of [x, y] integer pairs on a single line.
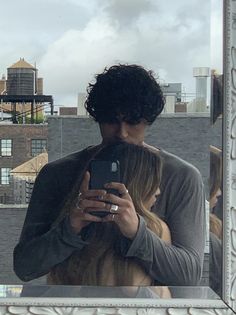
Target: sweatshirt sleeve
[[42, 245], [179, 263]]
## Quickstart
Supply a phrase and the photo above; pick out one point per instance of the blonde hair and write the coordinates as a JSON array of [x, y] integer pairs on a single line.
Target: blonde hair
[[216, 226], [215, 185], [141, 173], [215, 170]]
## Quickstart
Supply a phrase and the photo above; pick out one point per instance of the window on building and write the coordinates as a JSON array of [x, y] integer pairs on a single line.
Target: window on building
[[5, 175], [6, 147], [38, 146]]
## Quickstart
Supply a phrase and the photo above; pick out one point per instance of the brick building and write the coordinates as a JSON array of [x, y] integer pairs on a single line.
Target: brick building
[[186, 135], [18, 144], [23, 177]]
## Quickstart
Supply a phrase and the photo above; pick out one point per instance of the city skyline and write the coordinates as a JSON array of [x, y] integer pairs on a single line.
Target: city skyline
[[72, 41]]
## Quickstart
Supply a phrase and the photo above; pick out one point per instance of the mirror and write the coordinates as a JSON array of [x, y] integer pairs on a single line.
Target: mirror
[[117, 12]]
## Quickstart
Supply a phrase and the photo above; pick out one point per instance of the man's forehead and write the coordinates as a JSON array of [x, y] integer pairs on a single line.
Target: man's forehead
[[127, 118]]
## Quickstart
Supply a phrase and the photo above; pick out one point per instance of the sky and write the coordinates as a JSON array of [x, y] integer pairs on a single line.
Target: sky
[[72, 40]]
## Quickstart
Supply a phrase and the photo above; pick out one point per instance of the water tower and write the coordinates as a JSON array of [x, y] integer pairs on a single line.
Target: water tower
[[24, 93], [21, 79]]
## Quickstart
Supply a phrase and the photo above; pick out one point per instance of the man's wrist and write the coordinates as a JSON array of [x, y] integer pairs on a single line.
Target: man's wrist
[[69, 235], [76, 225]]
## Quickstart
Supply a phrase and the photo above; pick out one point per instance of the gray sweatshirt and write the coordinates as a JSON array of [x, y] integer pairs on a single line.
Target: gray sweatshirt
[[181, 205]]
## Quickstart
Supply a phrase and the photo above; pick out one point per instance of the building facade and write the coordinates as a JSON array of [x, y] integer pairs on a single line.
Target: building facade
[[23, 178], [186, 135], [18, 144]]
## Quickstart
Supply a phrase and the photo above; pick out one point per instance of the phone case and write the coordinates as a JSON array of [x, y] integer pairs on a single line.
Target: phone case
[[102, 172]]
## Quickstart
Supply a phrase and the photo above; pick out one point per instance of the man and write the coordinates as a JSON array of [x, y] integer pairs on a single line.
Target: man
[[124, 100]]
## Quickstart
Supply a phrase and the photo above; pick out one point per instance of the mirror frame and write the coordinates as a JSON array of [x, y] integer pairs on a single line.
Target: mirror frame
[[225, 306]]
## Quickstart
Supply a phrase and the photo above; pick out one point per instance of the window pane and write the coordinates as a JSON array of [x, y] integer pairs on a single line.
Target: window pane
[[6, 147], [5, 175], [38, 146]]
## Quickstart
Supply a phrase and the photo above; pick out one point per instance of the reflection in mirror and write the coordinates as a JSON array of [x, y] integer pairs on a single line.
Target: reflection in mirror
[[215, 208], [116, 100], [152, 292], [216, 96], [182, 129]]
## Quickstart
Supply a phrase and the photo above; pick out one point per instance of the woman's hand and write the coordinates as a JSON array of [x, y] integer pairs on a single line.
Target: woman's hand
[[124, 215], [121, 209], [79, 216]]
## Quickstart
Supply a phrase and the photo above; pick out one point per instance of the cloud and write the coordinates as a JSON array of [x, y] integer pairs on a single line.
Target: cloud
[[71, 62], [27, 27], [71, 40], [170, 45], [127, 12], [217, 35]]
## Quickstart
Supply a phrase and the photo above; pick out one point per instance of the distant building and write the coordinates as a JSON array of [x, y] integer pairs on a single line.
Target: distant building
[[81, 100], [181, 107], [172, 89], [173, 98], [175, 103], [23, 134], [23, 178], [68, 111], [18, 144]]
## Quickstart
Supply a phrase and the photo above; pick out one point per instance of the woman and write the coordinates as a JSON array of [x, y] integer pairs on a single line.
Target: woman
[[100, 262], [216, 228], [215, 189]]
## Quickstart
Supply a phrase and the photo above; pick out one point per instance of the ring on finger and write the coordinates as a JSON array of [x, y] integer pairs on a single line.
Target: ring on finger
[[124, 192], [114, 209], [79, 199], [80, 209]]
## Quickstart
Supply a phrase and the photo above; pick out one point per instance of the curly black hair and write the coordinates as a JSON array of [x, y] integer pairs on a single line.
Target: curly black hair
[[127, 93]]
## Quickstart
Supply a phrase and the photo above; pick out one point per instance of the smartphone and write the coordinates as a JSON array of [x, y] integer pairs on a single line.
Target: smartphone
[[102, 172]]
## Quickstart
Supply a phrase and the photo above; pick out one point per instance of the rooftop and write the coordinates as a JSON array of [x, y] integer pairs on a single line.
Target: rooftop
[[21, 64], [32, 167]]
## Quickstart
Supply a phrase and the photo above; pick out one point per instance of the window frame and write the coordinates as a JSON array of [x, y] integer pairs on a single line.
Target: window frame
[[5, 182], [6, 147], [38, 149]]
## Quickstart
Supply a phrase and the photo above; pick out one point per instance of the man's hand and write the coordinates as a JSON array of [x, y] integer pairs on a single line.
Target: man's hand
[[120, 209]]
